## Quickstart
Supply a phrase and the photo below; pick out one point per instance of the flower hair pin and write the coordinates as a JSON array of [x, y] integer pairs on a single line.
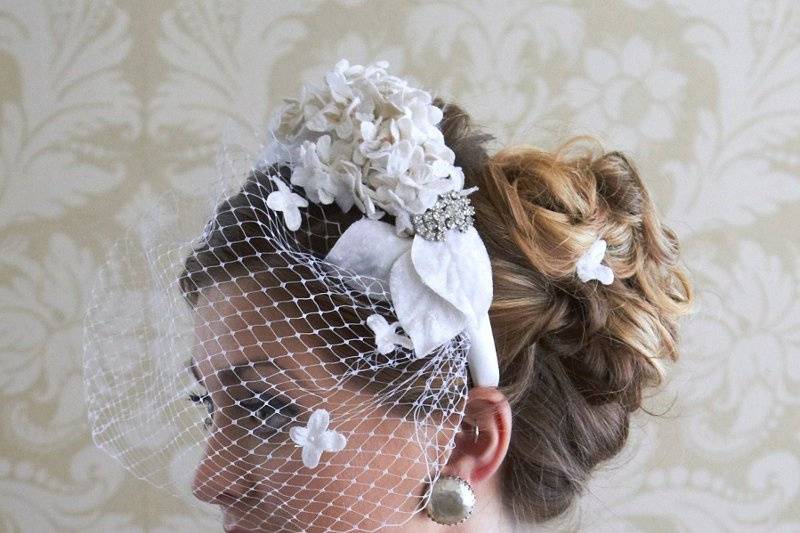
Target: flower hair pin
[[315, 438], [288, 203], [589, 265], [368, 139]]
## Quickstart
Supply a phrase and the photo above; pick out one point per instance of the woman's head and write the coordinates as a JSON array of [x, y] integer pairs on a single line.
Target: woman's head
[[574, 356]]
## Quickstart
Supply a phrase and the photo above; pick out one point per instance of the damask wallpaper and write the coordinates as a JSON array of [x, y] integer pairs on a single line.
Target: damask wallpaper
[[106, 105]]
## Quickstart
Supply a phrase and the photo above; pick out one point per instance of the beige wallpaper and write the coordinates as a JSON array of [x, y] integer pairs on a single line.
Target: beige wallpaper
[[107, 105]]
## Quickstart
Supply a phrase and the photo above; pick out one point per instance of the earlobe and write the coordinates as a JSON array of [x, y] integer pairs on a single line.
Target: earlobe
[[477, 459]]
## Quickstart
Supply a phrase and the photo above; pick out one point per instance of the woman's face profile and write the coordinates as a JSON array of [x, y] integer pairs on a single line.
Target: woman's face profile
[[266, 367]]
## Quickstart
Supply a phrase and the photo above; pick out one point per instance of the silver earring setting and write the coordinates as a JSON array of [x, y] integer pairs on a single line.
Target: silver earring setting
[[451, 501]]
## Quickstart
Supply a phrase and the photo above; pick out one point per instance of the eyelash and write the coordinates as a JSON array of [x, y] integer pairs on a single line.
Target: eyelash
[[270, 411], [205, 399]]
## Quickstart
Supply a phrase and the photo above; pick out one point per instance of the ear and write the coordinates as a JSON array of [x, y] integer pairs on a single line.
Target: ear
[[476, 460]]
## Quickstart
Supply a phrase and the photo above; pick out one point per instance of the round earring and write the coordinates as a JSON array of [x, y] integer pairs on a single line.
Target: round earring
[[451, 501]]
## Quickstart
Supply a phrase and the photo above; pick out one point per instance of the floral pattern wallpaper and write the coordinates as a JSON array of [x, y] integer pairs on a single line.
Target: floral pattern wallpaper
[[105, 105]]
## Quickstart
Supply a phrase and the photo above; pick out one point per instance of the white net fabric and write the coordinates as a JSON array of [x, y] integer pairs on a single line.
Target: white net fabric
[[243, 348]]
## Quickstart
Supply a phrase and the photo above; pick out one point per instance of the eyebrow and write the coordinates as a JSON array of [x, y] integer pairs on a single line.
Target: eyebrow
[[229, 375]]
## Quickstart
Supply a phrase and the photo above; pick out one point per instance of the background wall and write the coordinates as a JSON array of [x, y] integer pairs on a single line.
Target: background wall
[[106, 106]]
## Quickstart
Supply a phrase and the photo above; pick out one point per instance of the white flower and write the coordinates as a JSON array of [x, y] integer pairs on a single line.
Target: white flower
[[589, 267], [366, 138], [316, 438], [386, 336], [287, 202]]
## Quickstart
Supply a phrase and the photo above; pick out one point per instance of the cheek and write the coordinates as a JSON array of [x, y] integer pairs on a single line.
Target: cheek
[[377, 479]]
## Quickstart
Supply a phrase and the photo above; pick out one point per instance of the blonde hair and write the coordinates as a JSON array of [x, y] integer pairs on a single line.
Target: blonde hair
[[575, 357]]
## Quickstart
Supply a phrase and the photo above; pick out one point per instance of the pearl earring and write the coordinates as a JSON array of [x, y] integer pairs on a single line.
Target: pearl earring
[[451, 501]]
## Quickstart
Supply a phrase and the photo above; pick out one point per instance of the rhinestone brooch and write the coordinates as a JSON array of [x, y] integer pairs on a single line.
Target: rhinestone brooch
[[451, 210]]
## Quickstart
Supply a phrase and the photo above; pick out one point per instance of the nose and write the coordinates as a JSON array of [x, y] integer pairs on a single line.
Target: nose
[[221, 477]]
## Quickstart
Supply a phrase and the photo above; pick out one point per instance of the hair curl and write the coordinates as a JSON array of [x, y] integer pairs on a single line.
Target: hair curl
[[575, 357]]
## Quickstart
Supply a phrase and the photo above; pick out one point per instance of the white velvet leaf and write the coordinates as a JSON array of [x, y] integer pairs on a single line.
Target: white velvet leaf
[[426, 317], [369, 247], [458, 269]]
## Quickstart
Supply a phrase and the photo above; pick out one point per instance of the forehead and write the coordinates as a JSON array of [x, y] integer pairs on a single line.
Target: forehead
[[241, 322]]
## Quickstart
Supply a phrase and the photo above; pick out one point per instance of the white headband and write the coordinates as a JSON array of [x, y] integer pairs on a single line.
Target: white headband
[[369, 139]]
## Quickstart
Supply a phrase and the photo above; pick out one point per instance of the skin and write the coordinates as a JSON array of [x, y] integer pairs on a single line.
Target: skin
[[257, 476]]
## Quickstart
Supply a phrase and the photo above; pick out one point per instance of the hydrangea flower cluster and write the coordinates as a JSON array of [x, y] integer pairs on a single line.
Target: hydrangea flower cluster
[[366, 138]]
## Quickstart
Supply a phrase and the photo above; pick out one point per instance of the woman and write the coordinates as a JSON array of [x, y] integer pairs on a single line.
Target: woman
[[360, 363]]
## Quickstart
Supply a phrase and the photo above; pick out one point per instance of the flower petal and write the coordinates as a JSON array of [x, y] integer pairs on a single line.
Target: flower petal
[[399, 158], [332, 441], [311, 454], [318, 421], [299, 435], [292, 217], [276, 201], [298, 201], [585, 273], [441, 169], [382, 331], [323, 148], [597, 251], [383, 346], [377, 324], [368, 130], [402, 341], [604, 274]]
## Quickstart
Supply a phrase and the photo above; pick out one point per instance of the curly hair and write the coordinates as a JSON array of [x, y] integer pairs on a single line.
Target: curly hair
[[575, 357]]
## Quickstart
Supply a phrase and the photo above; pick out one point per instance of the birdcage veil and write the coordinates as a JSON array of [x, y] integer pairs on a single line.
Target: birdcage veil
[[305, 332]]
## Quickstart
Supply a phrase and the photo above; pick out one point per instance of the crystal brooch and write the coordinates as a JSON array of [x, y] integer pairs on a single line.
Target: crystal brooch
[[451, 210]]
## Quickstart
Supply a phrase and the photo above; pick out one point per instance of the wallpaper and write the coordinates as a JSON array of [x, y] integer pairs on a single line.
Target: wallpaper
[[104, 106]]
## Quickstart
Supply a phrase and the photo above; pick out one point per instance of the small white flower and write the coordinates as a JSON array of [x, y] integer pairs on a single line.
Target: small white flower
[[316, 438], [326, 173], [386, 336], [589, 266], [287, 202], [314, 173]]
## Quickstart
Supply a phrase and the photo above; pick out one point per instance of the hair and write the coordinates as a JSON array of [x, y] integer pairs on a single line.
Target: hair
[[575, 357]]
